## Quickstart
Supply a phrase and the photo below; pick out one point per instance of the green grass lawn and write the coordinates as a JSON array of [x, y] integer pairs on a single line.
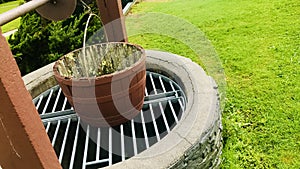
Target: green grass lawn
[[13, 24], [258, 43]]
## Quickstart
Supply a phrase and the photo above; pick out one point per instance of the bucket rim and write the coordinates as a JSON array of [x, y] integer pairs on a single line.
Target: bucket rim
[[133, 68]]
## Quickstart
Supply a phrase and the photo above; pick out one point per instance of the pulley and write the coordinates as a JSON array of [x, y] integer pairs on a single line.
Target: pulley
[[57, 10]]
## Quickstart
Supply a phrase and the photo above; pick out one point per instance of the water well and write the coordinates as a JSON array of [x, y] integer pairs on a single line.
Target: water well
[[178, 127], [186, 133]]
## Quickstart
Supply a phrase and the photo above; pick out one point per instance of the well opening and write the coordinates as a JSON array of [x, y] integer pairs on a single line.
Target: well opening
[[189, 126]]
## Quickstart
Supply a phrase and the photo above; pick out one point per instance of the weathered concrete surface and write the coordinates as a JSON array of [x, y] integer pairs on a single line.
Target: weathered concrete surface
[[23, 140], [196, 141], [40, 80]]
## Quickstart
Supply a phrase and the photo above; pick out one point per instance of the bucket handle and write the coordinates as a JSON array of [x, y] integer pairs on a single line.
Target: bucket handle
[[90, 12]]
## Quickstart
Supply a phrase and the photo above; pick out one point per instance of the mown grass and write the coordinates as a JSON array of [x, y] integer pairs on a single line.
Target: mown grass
[[258, 43], [13, 24]]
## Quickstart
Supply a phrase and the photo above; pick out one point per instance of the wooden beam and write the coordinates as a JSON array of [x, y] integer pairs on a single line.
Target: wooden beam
[[113, 19], [23, 140]]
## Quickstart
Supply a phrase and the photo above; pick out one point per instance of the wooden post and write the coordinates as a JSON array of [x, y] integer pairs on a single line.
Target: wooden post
[[23, 140], [112, 17]]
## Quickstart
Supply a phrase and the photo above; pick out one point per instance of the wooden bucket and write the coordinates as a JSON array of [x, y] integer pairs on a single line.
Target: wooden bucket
[[105, 100]]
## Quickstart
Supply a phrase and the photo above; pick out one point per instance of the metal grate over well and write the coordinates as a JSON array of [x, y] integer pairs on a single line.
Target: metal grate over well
[[79, 145]]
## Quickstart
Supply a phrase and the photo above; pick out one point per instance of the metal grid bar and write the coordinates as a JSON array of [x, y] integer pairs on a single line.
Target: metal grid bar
[[64, 141], [122, 142], [39, 103], [97, 162], [48, 126], [56, 132], [152, 116], [144, 129], [64, 104], [169, 101], [86, 146], [173, 88], [160, 105], [133, 137], [98, 144], [47, 103], [154, 123], [74, 145], [110, 147], [165, 93], [56, 100]]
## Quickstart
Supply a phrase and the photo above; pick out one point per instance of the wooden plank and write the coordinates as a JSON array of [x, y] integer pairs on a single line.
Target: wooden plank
[[23, 140], [113, 19]]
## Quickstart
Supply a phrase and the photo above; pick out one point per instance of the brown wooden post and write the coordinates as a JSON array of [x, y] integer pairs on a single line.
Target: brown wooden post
[[23, 140], [113, 19]]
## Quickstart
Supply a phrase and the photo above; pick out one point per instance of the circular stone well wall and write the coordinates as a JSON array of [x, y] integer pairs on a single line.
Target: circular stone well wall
[[195, 142]]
